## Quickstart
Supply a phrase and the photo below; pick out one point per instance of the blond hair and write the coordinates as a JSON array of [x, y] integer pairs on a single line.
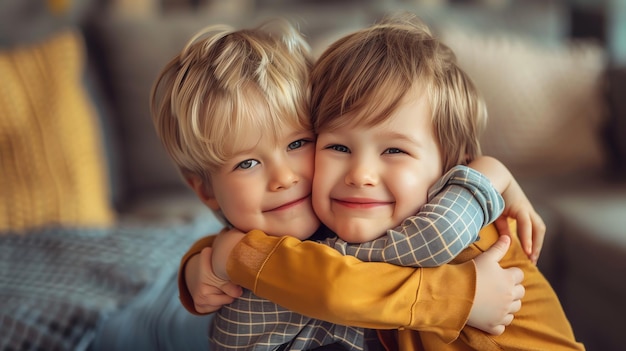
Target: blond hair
[[216, 85], [368, 74]]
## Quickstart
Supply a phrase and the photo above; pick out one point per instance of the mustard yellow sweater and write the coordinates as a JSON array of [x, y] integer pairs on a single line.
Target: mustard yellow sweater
[[315, 280], [296, 275]]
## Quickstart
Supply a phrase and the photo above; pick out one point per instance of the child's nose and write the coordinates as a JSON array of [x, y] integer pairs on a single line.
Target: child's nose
[[283, 177], [362, 175]]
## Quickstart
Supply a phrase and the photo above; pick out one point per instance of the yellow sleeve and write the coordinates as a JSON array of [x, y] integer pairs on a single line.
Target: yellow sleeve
[[183, 292], [316, 280]]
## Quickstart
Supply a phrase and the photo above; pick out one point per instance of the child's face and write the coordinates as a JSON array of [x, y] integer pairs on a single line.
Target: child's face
[[267, 185], [369, 179]]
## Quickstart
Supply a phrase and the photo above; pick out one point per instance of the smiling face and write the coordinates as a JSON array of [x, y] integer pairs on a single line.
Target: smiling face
[[369, 179], [266, 185]]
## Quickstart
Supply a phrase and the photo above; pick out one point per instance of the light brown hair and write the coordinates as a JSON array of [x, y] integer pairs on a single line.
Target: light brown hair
[[367, 74]]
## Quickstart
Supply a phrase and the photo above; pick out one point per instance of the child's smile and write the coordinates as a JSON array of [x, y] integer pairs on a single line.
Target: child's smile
[[361, 203], [369, 179], [290, 204], [267, 185]]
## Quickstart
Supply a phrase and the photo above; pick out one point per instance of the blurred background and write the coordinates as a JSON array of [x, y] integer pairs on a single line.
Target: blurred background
[[79, 159]]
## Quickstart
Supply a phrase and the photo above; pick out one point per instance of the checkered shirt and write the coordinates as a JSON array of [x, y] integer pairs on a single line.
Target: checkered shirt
[[254, 323]]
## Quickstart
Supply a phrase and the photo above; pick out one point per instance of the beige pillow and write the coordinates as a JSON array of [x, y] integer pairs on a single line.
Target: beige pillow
[[545, 104], [52, 168]]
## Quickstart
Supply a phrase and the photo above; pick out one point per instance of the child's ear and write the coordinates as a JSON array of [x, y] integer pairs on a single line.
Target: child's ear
[[203, 189]]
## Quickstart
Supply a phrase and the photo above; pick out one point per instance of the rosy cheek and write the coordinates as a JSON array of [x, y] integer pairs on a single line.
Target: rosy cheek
[[412, 191], [307, 168]]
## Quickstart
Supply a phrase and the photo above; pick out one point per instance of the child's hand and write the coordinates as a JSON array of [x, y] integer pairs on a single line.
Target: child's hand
[[498, 291], [530, 227], [222, 246], [208, 291]]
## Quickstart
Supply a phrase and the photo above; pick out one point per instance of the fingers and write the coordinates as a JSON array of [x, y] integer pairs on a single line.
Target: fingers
[[499, 291], [525, 232], [212, 292], [515, 307], [231, 289], [531, 231], [205, 256], [499, 249], [211, 299], [502, 225], [539, 233], [518, 293], [497, 330], [209, 308], [208, 275], [518, 277]]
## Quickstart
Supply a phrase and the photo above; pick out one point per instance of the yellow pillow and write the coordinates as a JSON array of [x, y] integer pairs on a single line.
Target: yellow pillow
[[52, 169]]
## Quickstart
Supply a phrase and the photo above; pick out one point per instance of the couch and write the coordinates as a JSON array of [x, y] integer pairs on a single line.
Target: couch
[[94, 218]]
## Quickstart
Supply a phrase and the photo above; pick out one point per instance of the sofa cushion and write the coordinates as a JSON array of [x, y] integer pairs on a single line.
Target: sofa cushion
[[51, 157], [593, 243], [545, 103]]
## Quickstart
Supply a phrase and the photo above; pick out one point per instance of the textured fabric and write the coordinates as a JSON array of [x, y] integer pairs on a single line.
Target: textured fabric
[[371, 295], [541, 323], [52, 169], [253, 323], [444, 227], [456, 215], [74, 279], [545, 103], [435, 311]]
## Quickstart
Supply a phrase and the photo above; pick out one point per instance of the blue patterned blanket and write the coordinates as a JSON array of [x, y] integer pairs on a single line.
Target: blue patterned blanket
[[57, 284]]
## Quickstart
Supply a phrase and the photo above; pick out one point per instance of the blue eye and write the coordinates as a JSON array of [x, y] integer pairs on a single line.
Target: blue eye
[[247, 164], [296, 144], [393, 150], [339, 148]]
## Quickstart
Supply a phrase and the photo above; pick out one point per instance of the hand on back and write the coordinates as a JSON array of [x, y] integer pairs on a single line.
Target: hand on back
[[208, 291], [530, 226], [498, 291], [531, 229]]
